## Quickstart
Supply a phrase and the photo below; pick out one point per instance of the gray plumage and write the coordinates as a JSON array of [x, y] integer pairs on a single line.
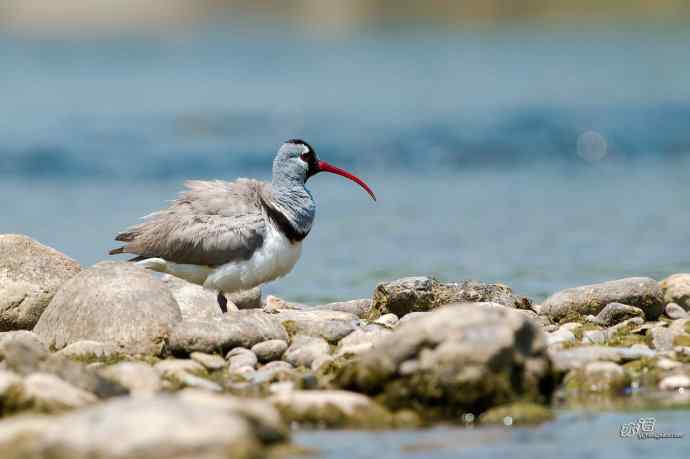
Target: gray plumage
[[216, 222]]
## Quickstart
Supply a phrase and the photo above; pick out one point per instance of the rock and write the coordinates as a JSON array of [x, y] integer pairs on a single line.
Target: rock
[[268, 351], [675, 382], [668, 364], [361, 341], [517, 414], [305, 349], [47, 393], [238, 329], [462, 358], [641, 292], [413, 294], [412, 316], [323, 359], [560, 336], [604, 377], [161, 427], [675, 311], [271, 370], [21, 339], [174, 368], [247, 299], [138, 377], [27, 356], [90, 351], [625, 333], [30, 275], [387, 320], [676, 289], [331, 408], [615, 313], [329, 325], [11, 391], [360, 308], [196, 382], [113, 302], [578, 357], [593, 337], [662, 338], [194, 301], [211, 362], [241, 357]]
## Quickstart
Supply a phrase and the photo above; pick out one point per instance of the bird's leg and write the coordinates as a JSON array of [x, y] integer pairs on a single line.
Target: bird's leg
[[222, 302]]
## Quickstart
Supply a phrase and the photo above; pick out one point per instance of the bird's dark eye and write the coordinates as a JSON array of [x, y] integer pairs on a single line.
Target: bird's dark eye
[[305, 156]]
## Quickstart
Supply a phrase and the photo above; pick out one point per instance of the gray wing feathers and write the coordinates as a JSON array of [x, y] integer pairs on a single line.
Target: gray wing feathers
[[211, 223]]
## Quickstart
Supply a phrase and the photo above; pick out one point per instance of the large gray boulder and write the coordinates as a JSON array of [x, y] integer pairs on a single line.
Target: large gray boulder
[[244, 328], [569, 304], [455, 359], [112, 302], [159, 427], [30, 275], [418, 294]]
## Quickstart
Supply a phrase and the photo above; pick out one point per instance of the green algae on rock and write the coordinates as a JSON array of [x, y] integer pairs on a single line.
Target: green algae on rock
[[517, 414]]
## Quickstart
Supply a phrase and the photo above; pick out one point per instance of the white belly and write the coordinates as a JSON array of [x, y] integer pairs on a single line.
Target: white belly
[[275, 258]]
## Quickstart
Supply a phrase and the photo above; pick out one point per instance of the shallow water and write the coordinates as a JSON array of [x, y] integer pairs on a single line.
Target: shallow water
[[573, 435]]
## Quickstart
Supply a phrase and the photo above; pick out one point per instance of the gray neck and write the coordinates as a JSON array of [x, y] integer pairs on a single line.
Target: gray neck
[[296, 204]]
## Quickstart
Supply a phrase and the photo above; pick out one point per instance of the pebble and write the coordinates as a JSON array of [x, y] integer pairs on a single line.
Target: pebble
[[241, 357], [675, 311], [675, 382], [268, 351], [211, 362]]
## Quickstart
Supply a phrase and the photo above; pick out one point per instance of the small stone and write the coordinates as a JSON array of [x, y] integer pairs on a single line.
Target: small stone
[[305, 349], [662, 338], [518, 413], [675, 311], [331, 408], [676, 289], [245, 372], [388, 320], [560, 336], [211, 362], [604, 377], [49, 394], [268, 351], [320, 361], [90, 350], [578, 357], [360, 308], [195, 302], [246, 299], [411, 316], [572, 327], [241, 357], [668, 364], [270, 371], [615, 313], [594, 337], [675, 382], [138, 377], [329, 325], [196, 382], [361, 340], [11, 385], [176, 368]]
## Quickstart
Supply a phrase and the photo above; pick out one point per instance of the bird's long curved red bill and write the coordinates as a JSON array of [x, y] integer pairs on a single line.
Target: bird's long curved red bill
[[326, 167]]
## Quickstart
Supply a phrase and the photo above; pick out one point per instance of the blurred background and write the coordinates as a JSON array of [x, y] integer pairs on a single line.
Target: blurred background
[[542, 144]]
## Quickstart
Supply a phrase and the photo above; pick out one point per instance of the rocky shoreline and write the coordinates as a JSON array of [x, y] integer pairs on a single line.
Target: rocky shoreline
[[112, 361]]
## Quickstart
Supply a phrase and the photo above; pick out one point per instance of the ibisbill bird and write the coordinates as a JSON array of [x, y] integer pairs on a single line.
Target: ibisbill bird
[[233, 236]]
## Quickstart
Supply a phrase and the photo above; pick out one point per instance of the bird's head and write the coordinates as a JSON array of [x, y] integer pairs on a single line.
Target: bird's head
[[297, 161]]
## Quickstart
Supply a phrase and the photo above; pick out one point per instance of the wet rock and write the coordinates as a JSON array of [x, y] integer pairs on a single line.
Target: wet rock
[[641, 292], [675, 382], [138, 377], [462, 358], [160, 427], [662, 338], [30, 275], [361, 341], [268, 351], [329, 325], [305, 349], [517, 414], [413, 294], [211, 362], [194, 301], [238, 329], [90, 351], [113, 302], [333, 409], [675, 311], [614, 313], [247, 299], [241, 357], [47, 393], [578, 357], [676, 289]]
